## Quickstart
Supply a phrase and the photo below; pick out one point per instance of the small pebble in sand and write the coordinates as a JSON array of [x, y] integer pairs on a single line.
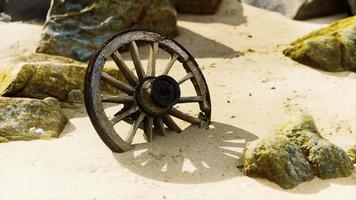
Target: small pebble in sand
[[250, 94], [273, 88], [212, 65], [39, 131]]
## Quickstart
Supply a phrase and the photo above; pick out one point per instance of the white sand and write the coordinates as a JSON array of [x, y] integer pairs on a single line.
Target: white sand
[[196, 164]]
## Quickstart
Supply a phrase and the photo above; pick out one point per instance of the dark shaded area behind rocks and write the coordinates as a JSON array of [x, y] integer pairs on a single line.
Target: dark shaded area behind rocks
[[196, 6], [25, 9], [352, 4], [297, 9]]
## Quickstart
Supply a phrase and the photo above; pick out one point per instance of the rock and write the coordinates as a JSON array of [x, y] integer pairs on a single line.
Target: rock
[[75, 96], [5, 17], [352, 154], [326, 159], [295, 153], [26, 10], [300, 9], [3, 140], [329, 160], [278, 160], [40, 76], [77, 29], [29, 119], [352, 4], [196, 6], [332, 48]]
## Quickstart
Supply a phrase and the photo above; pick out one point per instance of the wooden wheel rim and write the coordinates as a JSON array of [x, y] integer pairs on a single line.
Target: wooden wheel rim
[[93, 99]]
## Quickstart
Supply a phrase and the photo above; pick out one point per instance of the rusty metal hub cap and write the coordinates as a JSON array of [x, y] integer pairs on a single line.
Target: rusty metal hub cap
[[156, 95]]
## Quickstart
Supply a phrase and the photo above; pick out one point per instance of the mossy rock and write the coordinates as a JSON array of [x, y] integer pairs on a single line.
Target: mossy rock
[[352, 153], [329, 160], [326, 159], [332, 48], [277, 159], [76, 29], [297, 142], [40, 76], [196, 6], [30, 119]]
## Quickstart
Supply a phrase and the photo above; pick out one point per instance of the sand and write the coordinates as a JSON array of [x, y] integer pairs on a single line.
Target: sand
[[254, 89]]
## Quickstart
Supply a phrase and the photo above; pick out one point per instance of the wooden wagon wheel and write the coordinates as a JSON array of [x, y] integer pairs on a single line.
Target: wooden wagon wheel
[[148, 98]]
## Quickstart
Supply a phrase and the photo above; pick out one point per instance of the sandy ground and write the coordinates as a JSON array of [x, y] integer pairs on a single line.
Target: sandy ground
[[254, 88]]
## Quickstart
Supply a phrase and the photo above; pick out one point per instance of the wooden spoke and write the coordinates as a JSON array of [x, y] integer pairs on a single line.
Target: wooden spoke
[[137, 60], [180, 115], [117, 84], [123, 115], [190, 99], [171, 124], [185, 78], [151, 68], [118, 99], [134, 127], [170, 64], [159, 126], [148, 127], [130, 77]]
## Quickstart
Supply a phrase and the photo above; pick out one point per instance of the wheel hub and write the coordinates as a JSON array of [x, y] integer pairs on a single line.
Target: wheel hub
[[156, 95]]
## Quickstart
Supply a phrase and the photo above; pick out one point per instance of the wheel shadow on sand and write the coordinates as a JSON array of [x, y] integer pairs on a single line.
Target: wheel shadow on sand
[[193, 156]]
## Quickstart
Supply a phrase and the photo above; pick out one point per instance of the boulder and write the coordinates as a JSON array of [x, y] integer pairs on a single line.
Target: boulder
[[352, 4], [25, 9], [326, 159], [29, 119], [277, 159], [196, 6], [283, 156], [76, 29], [40, 76], [300, 9], [332, 48], [352, 153], [329, 161]]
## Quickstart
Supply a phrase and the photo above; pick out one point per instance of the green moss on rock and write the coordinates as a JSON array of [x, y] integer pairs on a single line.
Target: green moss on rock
[[40, 76], [76, 29], [3, 140], [278, 160], [30, 119], [332, 48], [329, 160], [352, 153], [270, 157]]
